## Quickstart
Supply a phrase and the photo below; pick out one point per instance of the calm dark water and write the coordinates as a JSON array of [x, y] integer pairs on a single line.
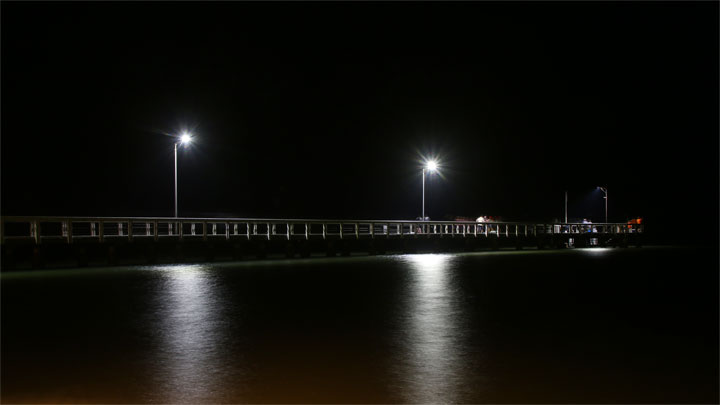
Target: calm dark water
[[600, 326]]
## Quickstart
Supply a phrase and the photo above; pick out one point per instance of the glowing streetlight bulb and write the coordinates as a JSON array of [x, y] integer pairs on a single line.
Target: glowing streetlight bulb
[[185, 139], [432, 165]]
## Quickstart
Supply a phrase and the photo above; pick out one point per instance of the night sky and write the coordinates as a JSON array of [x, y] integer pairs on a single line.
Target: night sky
[[323, 110]]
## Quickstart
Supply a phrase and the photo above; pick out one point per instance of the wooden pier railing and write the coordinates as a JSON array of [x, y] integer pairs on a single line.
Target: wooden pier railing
[[69, 229]]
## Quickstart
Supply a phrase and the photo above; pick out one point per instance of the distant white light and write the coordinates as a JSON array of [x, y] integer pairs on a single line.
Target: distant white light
[[185, 138], [432, 165]]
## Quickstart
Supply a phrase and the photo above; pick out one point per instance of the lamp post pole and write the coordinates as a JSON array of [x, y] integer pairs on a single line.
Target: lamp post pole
[[604, 190], [430, 166], [184, 139], [423, 194], [176, 210]]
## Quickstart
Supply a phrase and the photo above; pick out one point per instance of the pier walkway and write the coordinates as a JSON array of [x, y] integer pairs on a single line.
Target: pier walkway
[[40, 240]]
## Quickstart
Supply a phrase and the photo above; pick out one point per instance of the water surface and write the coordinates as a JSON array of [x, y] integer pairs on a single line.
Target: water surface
[[586, 325]]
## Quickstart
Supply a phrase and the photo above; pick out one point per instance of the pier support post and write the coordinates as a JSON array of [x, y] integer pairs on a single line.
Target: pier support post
[[495, 241], [81, 256], [344, 247], [330, 249], [305, 248], [260, 250], [624, 241], [237, 251], [37, 257], [290, 249]]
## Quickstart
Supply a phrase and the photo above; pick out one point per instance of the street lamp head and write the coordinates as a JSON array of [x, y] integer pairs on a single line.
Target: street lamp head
[[432, 165], [185, 138]]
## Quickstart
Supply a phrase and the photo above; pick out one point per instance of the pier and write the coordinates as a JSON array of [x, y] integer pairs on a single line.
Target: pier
[[36, 242]]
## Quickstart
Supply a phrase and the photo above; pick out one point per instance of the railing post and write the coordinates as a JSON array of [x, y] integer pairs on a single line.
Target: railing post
[[130, 232], [147, 228], [227, 231], [372, 230], [357, 231], [155, 230], [324, 230], [69, 231], [247, 229], [401, 229], [204, 226], [214, 229], [101, 231], [307, 231], [35, 231], [287, 229], [235, 229], [180, 229], [268, 230], [341, 230]]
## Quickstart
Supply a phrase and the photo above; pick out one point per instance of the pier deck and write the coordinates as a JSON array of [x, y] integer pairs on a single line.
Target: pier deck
[[68, 241]]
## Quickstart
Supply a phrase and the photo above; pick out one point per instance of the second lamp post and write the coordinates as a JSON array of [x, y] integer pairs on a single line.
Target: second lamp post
[[184, 139], [430, 166], [604, 190]]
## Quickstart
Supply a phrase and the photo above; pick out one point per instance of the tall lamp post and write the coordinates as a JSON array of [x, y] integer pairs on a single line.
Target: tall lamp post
[[184, 140], [430, 166], [604, 190]]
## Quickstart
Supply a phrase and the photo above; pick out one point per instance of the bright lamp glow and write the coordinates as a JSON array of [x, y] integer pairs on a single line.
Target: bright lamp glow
[[185, 138], [432, 165]]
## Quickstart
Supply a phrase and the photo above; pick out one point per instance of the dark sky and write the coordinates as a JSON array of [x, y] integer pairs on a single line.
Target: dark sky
[[323, 109]]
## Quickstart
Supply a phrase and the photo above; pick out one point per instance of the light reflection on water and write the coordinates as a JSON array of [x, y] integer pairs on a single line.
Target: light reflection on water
[[190, 333], [512, 327], [432, 370], [190, 363]]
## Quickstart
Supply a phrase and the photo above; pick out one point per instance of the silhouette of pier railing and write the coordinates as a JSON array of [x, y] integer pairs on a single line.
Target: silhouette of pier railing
[[102, 229]]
